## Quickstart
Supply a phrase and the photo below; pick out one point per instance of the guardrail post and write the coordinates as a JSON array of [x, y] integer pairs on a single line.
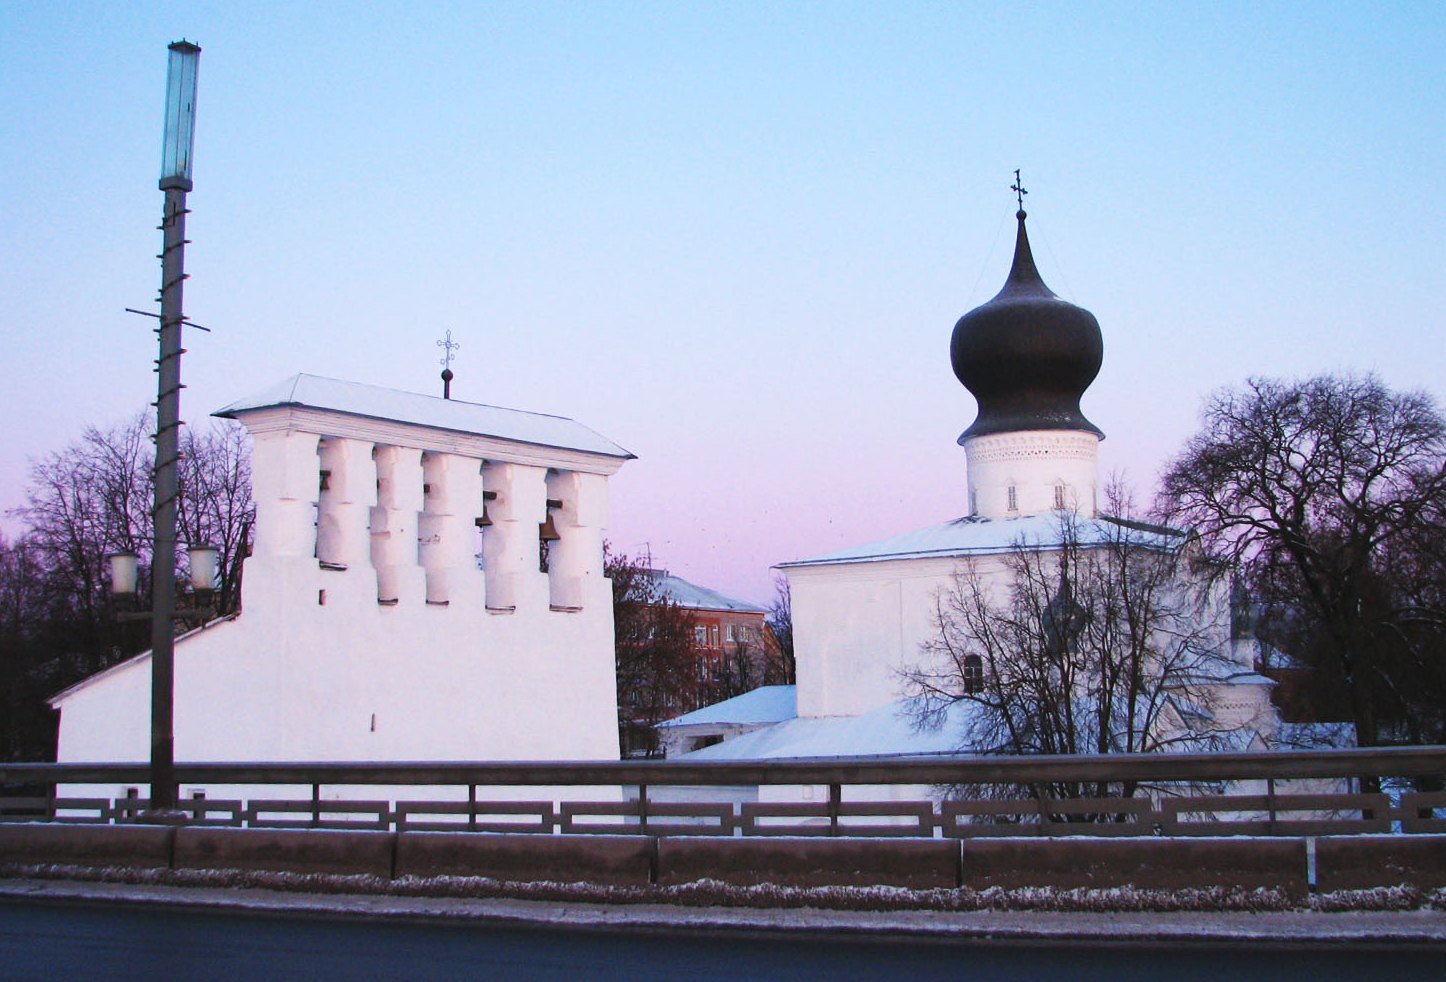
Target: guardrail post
[[315, 805], [1270, 804], [471, 808], [835, 800], [643, 809]]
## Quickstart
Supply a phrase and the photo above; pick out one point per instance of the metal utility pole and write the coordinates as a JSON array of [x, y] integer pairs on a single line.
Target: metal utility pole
[[175, 182]]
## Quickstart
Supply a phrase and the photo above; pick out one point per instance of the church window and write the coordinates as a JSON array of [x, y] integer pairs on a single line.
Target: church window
[[973, 674], [1013, 495], [973, 502], [1059, 496]]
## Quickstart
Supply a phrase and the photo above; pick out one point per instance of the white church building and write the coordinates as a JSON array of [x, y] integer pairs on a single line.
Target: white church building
[[398, 604], [862, 615]]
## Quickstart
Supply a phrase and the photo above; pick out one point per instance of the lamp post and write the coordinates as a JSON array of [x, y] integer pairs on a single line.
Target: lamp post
[[179, 140]]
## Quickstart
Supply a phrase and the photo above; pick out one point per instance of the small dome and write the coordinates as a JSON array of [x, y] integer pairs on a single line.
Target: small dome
[[1027, 355]]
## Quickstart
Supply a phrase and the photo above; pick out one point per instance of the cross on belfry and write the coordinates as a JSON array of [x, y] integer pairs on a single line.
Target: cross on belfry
[[1018, 188], [448, 346]]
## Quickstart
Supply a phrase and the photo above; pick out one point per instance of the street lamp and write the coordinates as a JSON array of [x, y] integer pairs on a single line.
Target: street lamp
[[179, 139], [179, 132], [203, 571], [123, 574], [198, 605]]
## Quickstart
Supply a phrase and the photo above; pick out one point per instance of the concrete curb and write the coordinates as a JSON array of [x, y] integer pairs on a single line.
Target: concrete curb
[[915, 863], [614, 860], [285, 850], [1363, 862], [136, 846], [1342, 862], [1147, 864]]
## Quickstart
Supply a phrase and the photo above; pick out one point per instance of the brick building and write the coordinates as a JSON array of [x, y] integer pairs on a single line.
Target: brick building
[[732, 651]]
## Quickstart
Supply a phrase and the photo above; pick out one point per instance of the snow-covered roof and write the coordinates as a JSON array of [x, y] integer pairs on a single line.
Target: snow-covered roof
[[695, 597], [766, 704], [888, 730], [974, 535], [375, 402]]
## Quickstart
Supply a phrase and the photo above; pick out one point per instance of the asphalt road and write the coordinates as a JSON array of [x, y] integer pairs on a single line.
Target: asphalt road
[[66, 940]]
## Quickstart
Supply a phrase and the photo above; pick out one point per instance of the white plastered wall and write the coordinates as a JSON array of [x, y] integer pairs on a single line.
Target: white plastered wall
[[369, 633], [856, 626]]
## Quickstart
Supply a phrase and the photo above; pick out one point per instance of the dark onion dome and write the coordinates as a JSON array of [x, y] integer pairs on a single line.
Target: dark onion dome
[[1027, 355]]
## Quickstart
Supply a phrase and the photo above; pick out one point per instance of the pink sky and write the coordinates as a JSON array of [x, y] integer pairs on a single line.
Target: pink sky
[[733, 239]]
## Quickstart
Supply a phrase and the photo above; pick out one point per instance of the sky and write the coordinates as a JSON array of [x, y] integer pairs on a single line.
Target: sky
[[732, 237]]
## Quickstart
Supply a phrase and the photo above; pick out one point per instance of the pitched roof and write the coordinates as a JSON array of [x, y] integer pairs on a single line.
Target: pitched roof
[[694, 597], [375, 402], [981, 536], [888, 730], [766, 704]]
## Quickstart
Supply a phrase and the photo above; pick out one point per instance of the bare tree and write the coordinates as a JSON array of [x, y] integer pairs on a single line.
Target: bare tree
[[83, 502], [740, 670], [216, 504], [656, 655], [782, 669], [1328, 494], [1105, 641]]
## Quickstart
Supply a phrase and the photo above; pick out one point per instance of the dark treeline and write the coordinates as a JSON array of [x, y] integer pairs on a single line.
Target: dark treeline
[[58, 621]]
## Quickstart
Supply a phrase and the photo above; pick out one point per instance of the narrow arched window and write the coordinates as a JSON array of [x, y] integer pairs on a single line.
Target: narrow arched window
[[1059, 497], [973, 675], [1013, 498]]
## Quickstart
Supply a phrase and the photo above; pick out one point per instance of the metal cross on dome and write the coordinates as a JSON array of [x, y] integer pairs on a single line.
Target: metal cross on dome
[[1018, 188], [448, 346]]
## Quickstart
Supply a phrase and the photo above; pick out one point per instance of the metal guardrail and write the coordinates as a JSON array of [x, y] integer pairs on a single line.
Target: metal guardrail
[[1171, 794]]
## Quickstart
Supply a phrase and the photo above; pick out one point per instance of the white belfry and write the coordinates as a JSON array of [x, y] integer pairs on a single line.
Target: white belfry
[[397, 605]]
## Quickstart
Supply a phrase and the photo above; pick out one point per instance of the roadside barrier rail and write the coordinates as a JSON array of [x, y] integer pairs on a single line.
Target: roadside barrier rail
[[1289, 793]]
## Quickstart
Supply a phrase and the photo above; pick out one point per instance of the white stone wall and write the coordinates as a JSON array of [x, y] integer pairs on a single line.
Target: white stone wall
[[368, 631], [1047, 470], [857, 625]]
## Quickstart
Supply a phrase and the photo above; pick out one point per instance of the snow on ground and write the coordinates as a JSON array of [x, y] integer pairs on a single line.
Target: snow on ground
[[1358, 927]]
